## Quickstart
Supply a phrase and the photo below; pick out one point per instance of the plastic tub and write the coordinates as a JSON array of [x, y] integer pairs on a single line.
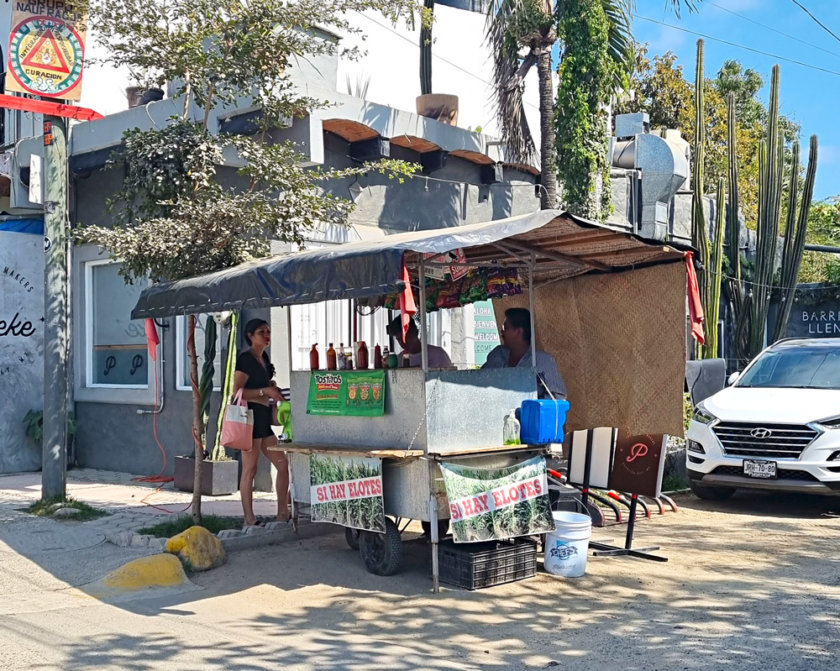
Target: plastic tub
[[541, 422], [567, 546]]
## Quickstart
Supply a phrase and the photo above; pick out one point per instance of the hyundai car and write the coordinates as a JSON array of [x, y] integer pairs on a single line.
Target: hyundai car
[[776, 427]]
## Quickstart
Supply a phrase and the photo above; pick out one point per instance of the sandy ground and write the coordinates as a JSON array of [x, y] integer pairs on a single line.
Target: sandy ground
[[750, 583]]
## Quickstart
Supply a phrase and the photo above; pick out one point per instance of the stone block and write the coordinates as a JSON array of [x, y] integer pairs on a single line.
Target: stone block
[[197, 548]]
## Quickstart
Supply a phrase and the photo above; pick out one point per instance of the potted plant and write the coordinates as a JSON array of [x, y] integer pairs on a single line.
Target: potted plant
[[33, 426], [219, 473]]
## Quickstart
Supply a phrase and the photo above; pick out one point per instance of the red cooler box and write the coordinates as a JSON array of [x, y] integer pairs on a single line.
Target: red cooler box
[[541, 422]]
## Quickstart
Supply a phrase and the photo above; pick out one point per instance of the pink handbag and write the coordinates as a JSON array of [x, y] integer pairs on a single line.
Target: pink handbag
[[238, 425]]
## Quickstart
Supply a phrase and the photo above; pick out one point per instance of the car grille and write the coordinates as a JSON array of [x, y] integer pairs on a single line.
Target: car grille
[[785, 440], [781, 474]]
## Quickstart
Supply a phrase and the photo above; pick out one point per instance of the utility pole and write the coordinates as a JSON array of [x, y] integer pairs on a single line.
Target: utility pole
[[56, 309]]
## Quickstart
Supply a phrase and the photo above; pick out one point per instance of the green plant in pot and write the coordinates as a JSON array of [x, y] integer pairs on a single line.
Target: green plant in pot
[[33, 427]]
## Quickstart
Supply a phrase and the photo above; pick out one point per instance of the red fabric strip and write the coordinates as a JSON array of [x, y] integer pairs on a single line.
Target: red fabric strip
[[695, 306]]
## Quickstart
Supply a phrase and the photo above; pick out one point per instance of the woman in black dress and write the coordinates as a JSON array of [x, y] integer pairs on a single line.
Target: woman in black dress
[[254, 374]]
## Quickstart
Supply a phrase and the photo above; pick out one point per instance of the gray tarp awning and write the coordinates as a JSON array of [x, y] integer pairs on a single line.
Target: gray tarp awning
[[562, 245]]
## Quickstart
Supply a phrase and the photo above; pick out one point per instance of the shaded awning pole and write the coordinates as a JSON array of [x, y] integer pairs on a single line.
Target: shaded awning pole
[[531, 310], [424, 349]]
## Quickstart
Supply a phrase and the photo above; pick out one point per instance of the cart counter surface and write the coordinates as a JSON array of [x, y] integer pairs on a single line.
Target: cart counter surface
[[438, 412]]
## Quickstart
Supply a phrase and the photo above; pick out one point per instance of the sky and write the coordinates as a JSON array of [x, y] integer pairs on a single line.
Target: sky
[[809, 96]]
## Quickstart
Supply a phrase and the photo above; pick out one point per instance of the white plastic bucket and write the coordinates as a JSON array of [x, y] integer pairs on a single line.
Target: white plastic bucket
[[567, 546]]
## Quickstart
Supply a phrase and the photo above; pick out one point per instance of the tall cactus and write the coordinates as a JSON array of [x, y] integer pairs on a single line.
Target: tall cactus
[[426, 20], [711, 303], [795, 233], [771, 163], [699, 231]]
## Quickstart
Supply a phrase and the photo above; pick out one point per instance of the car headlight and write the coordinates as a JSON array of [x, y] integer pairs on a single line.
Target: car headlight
[[830, 422], [702, 415]]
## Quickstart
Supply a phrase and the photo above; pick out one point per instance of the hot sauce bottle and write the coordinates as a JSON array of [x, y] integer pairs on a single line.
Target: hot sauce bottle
[[314, 359], [331, 362]]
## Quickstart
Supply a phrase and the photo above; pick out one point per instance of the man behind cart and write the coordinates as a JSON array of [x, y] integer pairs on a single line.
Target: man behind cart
[[515, 352]]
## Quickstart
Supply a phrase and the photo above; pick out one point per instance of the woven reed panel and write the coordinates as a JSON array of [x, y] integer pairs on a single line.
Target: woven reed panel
[[619, 342]]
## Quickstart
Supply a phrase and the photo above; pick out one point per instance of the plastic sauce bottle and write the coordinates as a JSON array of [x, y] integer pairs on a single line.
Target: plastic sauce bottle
[[377, 357], [314, 358], [510, 432], [406, 359], [342, 357], [386, 359], [349, 361], [331, 362], [362, 356]]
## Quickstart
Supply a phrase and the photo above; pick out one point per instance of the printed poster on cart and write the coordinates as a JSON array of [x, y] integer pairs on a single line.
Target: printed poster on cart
[[358, 393], [494, 504], [347, 491]]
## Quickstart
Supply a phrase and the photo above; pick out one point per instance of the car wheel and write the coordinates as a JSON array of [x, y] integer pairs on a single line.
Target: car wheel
[[711, 493]]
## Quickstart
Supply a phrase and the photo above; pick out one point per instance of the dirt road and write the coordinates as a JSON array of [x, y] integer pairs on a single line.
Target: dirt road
[[753, 583]]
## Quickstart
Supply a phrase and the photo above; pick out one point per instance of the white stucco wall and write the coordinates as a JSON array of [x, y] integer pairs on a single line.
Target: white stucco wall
[[21, 346]]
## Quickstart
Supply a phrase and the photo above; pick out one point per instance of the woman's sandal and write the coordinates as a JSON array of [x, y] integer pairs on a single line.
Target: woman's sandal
[[258, 524]]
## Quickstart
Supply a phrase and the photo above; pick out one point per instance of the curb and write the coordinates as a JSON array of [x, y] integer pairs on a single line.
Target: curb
[[232, 539]]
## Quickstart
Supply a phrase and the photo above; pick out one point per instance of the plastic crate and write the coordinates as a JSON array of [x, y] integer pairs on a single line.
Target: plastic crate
[[477, 565]]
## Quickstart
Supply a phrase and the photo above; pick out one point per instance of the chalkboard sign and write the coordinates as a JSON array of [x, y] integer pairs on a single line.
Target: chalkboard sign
[[639, 464], [815, 313]]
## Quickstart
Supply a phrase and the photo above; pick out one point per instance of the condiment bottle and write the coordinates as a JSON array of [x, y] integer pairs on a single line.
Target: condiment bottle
[[342, 357], [348, 364], [362, 356], [377, 357], [386, 359], [406, 359], [510, 431], [392, 360], [314, 359], [331, 362]]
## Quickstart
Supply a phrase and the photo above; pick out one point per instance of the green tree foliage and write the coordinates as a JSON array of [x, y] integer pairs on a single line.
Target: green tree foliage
[[172, 217], [587, 75], [823, 229], [661, 89]]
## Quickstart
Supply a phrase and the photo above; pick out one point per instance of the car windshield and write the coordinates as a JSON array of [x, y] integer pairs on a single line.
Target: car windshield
[[795, 367]]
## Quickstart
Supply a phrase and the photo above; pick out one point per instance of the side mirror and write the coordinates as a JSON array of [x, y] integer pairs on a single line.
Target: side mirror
[[731, 379]]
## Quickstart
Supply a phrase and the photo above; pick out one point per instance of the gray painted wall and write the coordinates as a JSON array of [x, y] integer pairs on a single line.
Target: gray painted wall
[[21, 346]]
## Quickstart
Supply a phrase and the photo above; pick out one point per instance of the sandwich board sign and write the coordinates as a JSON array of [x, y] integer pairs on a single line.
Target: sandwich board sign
[[46, 49]]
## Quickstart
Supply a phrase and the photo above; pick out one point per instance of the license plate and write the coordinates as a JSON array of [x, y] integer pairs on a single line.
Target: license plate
[[755, 468]]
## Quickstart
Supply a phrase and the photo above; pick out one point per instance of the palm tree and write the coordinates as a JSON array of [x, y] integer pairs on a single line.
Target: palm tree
[[530, 26]]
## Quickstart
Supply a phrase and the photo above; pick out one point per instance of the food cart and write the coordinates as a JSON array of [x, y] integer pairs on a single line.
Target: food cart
[[429, 418]]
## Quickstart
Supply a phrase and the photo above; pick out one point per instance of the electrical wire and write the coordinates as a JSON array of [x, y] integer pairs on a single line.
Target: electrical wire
[[740, 46], [771, 286], [771, 28], [160, 477], [816, 20]]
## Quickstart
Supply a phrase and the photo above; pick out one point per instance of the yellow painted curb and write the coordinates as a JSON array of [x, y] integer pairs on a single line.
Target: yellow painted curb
[[160, 570]]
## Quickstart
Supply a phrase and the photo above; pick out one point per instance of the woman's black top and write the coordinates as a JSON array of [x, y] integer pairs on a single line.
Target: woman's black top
[[259, 376]]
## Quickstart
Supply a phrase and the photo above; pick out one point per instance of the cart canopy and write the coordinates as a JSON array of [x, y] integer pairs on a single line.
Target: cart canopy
[[558, 244]]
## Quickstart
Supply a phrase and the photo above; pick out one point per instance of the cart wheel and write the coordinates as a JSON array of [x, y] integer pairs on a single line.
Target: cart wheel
[[352, 537], [381, 553], [443, 528]]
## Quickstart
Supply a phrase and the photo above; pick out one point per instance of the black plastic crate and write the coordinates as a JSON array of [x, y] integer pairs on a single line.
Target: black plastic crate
[[477, 565]]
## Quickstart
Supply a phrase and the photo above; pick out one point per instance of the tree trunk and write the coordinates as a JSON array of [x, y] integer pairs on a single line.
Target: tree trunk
[[548, 150], [197, 428], [426, 50]]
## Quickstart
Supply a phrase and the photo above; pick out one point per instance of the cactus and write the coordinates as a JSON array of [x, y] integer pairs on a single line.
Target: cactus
[[795, 233], [711, 302], [426, 47], [771, 163]]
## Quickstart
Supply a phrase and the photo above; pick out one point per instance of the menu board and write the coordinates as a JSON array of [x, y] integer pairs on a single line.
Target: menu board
[[639, 464]]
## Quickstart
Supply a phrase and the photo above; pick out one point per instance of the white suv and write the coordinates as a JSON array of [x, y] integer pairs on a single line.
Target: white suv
[[777, 427]]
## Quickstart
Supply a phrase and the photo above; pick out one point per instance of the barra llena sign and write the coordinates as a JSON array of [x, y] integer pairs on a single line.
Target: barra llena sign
[[347, 491], [347, 392], [497, 503]]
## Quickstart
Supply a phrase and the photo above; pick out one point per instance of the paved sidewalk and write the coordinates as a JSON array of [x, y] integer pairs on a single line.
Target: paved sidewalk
[[134, 504]]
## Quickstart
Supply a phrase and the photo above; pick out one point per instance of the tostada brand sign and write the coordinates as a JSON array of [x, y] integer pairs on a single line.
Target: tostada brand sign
[[46, 49], [359, 393]]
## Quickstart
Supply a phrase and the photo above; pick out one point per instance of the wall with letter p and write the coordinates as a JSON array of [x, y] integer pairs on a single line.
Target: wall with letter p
[[21, 346]]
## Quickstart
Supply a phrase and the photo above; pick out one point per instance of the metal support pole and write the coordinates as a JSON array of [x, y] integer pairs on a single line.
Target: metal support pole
[[531, 310], [424, 349], [433, 528], [56, 309]]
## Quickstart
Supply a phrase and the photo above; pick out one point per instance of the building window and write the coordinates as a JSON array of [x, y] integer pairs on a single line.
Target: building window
[[117, 355], [182, 360]]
